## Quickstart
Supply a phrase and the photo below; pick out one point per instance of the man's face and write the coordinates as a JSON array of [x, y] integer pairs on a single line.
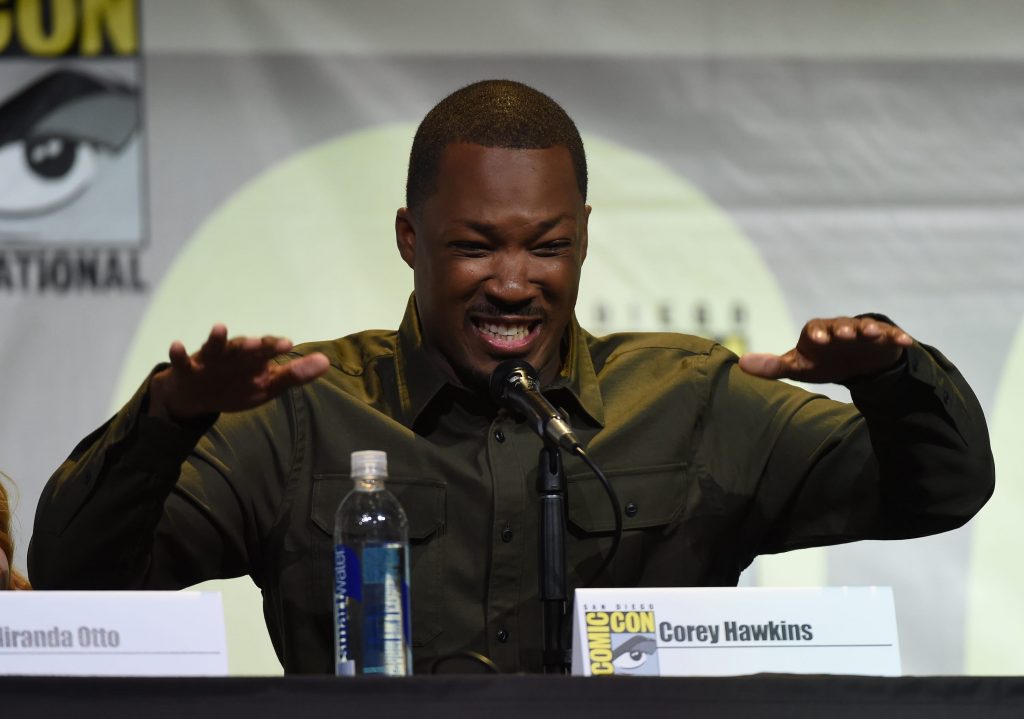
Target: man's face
[[496, 254]]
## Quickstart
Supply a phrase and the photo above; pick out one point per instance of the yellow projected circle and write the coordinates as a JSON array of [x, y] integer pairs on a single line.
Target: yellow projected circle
[[307, 250], [995, 626]]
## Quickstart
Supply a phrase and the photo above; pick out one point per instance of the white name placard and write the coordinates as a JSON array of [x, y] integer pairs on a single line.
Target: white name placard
[[731, 631], [112, 633]]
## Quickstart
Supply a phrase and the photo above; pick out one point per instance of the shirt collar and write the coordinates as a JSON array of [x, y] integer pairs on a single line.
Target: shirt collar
[[420, 381], [577, 380]]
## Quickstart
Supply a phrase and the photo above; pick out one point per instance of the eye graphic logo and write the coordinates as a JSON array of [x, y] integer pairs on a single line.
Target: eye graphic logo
[[622, 642], [72, 175], [59, 136]]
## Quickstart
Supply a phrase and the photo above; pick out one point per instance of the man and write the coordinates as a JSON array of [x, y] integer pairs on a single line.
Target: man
[[233, 460]]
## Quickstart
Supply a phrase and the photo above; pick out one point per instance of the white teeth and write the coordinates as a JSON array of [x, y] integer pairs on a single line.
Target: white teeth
[[506, 332]]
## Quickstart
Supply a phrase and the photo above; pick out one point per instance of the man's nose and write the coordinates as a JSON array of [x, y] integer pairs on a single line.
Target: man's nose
[[510, 284]]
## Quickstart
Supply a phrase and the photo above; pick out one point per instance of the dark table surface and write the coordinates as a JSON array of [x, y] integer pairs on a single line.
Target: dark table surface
[[497, 697]]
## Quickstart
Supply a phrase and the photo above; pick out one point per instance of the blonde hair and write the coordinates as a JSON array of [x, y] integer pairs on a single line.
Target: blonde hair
[[18, 581]]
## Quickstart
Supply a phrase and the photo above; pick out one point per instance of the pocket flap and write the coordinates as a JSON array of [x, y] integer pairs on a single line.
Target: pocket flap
[[654, 495], [422, 500]]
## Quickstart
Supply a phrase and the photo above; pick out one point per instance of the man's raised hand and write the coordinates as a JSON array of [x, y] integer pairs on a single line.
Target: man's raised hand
[[838, 350], [227, 375]]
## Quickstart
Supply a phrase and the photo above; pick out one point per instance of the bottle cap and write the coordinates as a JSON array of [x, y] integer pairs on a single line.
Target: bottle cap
[[370, 463]]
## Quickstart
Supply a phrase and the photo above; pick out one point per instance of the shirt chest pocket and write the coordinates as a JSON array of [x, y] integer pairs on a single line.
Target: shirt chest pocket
[[424, 505], [651, 499]]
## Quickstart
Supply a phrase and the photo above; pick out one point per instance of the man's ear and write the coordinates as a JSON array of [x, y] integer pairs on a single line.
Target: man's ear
[[405, 236], [583, 235]]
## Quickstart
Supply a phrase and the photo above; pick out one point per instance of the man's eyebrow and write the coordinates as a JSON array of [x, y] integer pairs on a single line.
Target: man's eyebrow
[[488, 230]]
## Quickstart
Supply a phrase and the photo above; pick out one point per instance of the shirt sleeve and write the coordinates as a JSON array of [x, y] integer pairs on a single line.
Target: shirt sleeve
[[910, 457], [146, 503]]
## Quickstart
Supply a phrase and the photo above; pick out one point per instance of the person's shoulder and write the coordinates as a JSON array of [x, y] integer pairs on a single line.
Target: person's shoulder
[[661, 361], [353, 354], [642, 345]]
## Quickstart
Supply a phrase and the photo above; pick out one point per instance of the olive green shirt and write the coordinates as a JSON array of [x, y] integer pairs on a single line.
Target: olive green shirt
[[714, 467]]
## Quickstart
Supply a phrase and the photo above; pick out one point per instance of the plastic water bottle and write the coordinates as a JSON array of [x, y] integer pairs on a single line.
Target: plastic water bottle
[[371, 575]]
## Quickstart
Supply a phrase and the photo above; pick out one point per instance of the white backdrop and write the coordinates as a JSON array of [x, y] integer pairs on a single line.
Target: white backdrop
[[754, 164]]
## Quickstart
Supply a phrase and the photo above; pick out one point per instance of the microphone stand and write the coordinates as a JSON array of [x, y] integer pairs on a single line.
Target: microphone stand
[[553, 578], [514, 385]]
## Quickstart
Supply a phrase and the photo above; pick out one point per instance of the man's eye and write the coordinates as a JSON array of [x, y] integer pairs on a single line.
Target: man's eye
[[470, 249], [555, 247]]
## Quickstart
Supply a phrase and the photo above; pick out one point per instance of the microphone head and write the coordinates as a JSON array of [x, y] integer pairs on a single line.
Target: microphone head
[[511, 373]]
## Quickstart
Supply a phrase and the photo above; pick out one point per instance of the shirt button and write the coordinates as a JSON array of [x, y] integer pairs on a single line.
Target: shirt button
[[631, 509], [499, 435], [502, 635], [506, 535]]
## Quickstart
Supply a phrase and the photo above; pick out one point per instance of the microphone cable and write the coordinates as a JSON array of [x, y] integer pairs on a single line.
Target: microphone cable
[[514, 385], [616, 513]]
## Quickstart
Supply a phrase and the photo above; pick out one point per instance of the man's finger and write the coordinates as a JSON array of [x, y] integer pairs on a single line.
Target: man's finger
[[310, 367], [817, 331], [845, 329], [248, 345], [273, 346], [764, 365], [884, 333], [179, 356], [215, 343], [872, 330], [296, 372], [901, 338]]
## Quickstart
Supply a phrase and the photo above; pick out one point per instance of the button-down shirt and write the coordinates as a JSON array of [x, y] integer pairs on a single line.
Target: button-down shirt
[[714, 467]]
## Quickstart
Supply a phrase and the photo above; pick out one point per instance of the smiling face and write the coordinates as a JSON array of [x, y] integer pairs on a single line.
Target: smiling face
[[496, 253]]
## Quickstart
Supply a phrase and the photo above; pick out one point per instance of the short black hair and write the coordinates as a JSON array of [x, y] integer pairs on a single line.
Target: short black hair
[[491, 113]]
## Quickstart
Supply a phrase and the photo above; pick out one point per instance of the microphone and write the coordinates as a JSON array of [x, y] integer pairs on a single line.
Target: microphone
[[515, 387]]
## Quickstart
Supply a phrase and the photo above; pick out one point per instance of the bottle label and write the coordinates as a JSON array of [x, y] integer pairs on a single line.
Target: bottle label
[[371, 593], [385, 610], [347, 585]]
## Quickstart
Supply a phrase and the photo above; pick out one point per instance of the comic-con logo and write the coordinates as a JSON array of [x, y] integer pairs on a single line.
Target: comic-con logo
[[56, 135], [621, 642], [71, 171]]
